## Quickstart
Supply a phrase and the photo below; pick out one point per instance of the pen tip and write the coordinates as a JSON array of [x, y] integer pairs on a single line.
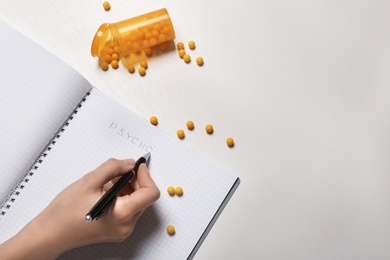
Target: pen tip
[[146, 156]]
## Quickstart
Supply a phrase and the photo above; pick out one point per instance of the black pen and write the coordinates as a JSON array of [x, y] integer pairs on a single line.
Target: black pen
[[103, 205]]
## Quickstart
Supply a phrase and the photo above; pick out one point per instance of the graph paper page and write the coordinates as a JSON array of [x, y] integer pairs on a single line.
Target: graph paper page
[[38, 92], [103, 129]]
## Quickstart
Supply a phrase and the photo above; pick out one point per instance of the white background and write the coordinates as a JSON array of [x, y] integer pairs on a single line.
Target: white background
[[302, 86]]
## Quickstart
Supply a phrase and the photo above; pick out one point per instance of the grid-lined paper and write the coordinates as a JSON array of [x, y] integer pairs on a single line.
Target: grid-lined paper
[[38, 92], [103, 129]]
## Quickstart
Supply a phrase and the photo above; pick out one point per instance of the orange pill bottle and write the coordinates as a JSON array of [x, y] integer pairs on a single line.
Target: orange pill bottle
[[133, 35]]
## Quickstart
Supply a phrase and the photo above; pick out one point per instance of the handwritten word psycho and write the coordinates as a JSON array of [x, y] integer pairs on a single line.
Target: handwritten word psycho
[[122, 132]]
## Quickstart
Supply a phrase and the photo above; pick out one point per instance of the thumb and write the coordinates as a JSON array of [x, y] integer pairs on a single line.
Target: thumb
[[109, 170]]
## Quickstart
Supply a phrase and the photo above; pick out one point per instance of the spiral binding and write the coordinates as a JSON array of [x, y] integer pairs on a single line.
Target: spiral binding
[[7, 204]]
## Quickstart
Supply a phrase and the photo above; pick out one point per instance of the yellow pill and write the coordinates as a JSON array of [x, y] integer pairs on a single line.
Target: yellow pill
[[114, 64], [199, 61], [104, 65], [171, 190], [148, 51], [136, 45], [179, 191], [162, 46], [115, 56], [162, 37], [191, 44], [145, 44], [163, 23], [156, 26], [155, 34], [128, 45], [138, 35], [171, 230], [110, 51], [133, 37], [230, 142], [209, 129], [108, 58], [141, 71], [112, 44], [182, 53], [153, 41], [144, 64], [131, 68], [187, 58], [144, 30], [190, 125], [180, 46], [166, 30], [153, 120], [148, 35], [180, 133], [106, 6]]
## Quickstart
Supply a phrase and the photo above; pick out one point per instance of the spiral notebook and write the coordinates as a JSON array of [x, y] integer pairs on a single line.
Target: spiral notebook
[[55, 127]]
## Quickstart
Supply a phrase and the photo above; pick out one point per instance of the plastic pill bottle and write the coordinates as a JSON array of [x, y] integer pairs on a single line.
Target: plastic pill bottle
[[133, 35]]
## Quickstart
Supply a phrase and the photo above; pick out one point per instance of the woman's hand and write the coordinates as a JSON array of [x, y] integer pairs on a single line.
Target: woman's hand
[[62, 226]]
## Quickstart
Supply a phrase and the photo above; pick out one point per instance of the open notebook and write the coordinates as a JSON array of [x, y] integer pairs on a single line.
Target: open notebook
[[55, 127]]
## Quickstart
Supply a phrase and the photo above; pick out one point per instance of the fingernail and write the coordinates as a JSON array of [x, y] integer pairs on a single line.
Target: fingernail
[[129, 161]]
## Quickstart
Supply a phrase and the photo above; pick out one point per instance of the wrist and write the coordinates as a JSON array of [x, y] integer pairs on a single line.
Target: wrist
[[37, 240]]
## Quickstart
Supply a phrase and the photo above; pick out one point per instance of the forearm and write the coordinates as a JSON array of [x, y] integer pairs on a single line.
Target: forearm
[[62, 226], [35, 241]]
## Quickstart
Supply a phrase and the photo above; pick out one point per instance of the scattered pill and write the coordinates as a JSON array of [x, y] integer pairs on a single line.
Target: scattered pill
[[171, 190], [187, 58], [141, 71], [106, 6], [144, 64], [153, 120], [180, 133], [179, 191], [108, 58], [131, 68], [230, 142], [171, 230], [209, 129], [190, 125], [114, 64], [104, 65], [182, 53], [115, 56], [191, 44], [180, 46], [199, 61]]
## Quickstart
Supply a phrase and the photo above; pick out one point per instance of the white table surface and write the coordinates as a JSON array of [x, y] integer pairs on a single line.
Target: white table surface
[[302, 86]]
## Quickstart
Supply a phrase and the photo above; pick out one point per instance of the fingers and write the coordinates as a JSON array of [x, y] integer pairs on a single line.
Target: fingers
[[141, 198], [108, 171], [145, 184]]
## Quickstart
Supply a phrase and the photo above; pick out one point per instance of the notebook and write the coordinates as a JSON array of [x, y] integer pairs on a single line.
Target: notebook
[[55, 127]]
